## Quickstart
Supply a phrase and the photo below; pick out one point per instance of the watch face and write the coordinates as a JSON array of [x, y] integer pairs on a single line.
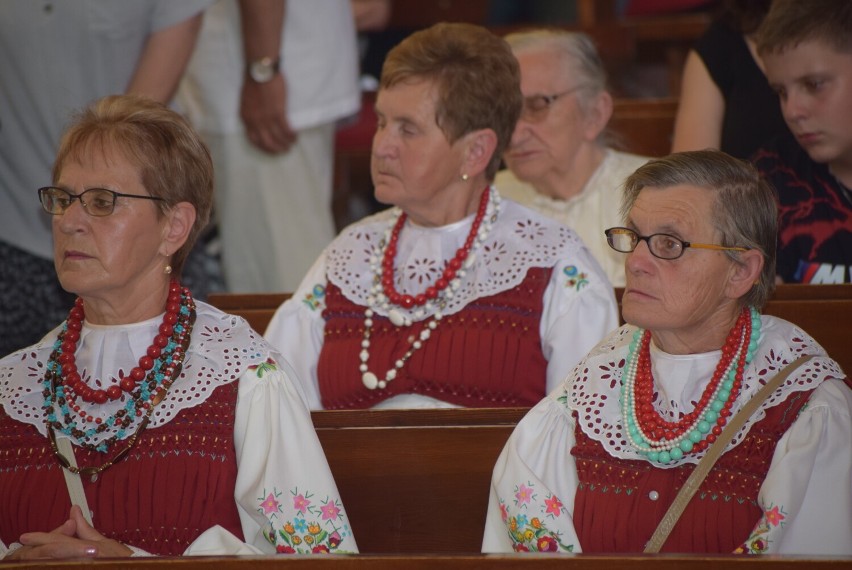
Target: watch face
[[262, 70]]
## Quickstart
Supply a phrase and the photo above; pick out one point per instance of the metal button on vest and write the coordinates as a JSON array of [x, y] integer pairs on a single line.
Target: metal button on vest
[[653, 495]]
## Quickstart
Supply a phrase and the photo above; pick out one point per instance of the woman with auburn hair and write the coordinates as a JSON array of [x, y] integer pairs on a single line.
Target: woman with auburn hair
[[149, 423], [453, 296]]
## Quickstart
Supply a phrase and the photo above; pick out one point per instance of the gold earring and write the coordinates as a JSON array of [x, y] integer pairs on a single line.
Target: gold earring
[[464, 177], [168, 269]]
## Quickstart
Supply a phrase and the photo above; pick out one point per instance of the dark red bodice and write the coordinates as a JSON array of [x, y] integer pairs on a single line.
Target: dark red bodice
[[619, 502], [486, 355], [176, 482]]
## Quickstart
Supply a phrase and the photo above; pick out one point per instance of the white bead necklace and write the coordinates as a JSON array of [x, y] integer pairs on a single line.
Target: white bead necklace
[[399, 317]]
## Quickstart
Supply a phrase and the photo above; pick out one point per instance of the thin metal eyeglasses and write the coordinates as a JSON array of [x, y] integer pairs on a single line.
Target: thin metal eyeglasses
[[663, 246], [97, 202], [536, 106]]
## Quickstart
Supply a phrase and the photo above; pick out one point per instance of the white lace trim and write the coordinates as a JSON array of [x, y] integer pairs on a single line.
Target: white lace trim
[[222, 347], [593, 389], [519, 240]]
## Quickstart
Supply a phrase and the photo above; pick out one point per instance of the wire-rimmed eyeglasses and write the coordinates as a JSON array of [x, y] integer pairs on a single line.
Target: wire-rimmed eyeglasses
[[664, 246], [97, 201], [536, 106]]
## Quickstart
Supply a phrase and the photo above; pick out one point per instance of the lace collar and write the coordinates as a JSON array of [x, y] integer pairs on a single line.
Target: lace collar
[[594, 392], [221, 348], [519, 240]]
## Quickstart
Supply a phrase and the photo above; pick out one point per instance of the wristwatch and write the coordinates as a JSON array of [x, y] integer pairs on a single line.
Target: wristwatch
[[263, 69]]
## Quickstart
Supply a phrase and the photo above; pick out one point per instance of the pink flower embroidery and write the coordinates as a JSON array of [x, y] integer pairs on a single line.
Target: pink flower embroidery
[[504, 513], [774, 516], [329, 511], [524, 494], [300, 503], [554, 505], [269, 505]]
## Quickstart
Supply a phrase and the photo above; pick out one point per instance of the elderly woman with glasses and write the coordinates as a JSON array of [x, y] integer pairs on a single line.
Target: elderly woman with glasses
[[147, 422], [698, 426], [452, 297], [559, 161]]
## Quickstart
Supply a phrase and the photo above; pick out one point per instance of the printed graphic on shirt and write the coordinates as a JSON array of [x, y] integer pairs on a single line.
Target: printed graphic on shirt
[[822, 273]]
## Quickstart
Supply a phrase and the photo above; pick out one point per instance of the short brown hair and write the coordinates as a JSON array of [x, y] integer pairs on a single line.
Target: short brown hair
[[745, 211], [790, 22], [478, 80], [173, 162]]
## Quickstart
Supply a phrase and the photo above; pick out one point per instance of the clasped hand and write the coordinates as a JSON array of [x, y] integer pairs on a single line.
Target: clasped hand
[[75, 538]]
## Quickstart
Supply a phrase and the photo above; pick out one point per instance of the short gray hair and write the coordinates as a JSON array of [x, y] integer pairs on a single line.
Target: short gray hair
[[577, 51], [745, 211]]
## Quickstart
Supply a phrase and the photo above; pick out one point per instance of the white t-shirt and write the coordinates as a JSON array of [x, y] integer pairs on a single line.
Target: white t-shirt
[[319, 60]]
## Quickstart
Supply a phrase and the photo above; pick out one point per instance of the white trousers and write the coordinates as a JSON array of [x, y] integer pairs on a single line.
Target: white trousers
[[274, 211]]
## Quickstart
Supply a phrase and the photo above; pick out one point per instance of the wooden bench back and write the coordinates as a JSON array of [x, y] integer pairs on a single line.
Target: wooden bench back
[[415, 481], [823, 311], [643, 126], [455, 562]]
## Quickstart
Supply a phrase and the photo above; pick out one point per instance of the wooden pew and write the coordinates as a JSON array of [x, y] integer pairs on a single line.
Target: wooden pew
[[256, 308], [460, 562], [415, 481], [643, 126], [823, 311]]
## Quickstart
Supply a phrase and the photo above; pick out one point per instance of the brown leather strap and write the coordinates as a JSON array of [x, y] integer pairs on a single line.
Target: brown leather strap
[[707, 462]]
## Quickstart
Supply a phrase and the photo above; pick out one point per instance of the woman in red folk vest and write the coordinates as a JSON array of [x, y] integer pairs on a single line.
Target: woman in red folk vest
[[148, 423], [453, 297], [700, 425]]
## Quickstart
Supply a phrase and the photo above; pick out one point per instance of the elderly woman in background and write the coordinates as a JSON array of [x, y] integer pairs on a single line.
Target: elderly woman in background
[[174, 425], [595, 466], [559, 163], [453, 297]]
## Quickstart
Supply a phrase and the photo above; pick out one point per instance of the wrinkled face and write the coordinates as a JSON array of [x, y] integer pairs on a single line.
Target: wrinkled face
[[545, 144], [104, 257], [413, 164], [814, 84], [679, 295]]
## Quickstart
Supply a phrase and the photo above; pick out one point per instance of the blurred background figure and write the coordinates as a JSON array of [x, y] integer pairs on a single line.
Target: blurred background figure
[[266, 87], [725, 101], [559, 161], [56, 57]]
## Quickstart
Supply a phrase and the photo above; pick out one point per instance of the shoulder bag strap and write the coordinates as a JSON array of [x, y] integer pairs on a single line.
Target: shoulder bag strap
[[73, 480]]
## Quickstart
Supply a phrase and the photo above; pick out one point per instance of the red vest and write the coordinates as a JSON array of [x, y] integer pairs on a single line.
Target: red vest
[[486, 355], [619, 502], [176, 482]]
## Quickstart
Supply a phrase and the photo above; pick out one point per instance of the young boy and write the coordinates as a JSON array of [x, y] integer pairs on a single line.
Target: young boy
[[806, 49]]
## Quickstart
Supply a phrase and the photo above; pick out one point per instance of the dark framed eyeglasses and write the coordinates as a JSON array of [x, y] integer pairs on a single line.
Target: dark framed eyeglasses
[[96, 201], [664, 246], [536, 106]]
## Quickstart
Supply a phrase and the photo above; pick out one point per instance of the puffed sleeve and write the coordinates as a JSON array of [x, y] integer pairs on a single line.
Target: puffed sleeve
[[807, 494], [533, 485], [579, 311], [286, 495], [296, 330]]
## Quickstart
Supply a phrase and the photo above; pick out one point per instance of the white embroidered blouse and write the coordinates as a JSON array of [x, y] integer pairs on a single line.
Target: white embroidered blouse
[[806, 496], [579, 304], [270, 403]]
